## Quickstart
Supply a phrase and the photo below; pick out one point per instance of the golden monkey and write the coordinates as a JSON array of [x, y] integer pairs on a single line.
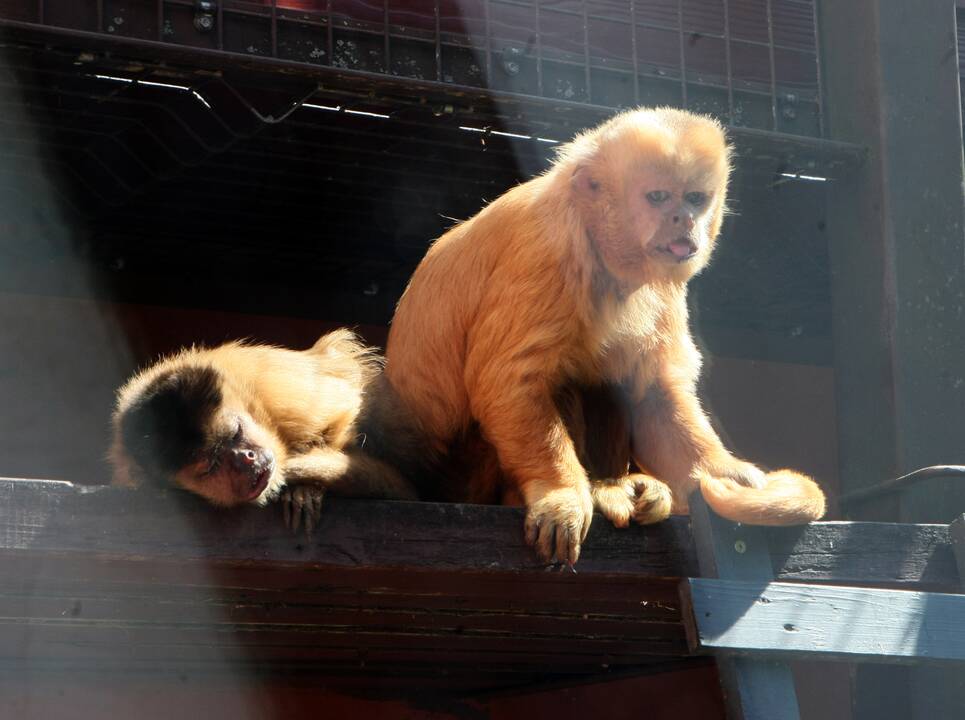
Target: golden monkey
[[543, 345], [237, 423]]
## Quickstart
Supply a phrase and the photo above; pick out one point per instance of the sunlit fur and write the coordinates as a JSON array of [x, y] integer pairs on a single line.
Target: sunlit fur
[[569, 280], [300, 406]]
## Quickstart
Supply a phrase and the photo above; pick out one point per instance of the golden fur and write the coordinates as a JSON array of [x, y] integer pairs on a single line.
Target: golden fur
[[297, 409], [574, 280]]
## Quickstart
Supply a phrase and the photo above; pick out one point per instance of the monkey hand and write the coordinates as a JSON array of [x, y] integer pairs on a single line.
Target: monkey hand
[[302, 503], [557, 522], [639, 497]]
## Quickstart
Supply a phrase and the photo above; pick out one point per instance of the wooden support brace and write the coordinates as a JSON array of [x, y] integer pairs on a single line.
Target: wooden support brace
[[837, 623], [754, 689]]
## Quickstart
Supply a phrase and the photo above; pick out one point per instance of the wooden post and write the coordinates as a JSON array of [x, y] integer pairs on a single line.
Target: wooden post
[[891, 81], [753, 689], [897, 246]]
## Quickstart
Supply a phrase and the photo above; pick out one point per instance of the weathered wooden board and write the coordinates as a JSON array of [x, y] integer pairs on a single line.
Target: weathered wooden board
[[105, 578], [53, 517], [860, 624]]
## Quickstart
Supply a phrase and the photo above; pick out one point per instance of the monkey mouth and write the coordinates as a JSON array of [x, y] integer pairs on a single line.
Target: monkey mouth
[[255, 485], [681, 249]]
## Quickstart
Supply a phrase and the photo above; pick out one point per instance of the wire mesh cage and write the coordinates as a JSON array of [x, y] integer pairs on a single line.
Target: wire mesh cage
[[754, 63]]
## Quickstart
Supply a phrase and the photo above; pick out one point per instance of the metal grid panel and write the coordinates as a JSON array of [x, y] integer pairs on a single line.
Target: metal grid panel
[[754, 63]]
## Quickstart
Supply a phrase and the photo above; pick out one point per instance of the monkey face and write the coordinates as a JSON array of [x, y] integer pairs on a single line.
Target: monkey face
[[185, 428], [235, 464], [652, 196]]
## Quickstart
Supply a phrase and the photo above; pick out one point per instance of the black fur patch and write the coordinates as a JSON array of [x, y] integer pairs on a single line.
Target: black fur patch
[[164, 429]]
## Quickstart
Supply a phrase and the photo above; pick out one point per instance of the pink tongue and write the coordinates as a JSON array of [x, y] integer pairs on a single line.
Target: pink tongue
[[681, 248]]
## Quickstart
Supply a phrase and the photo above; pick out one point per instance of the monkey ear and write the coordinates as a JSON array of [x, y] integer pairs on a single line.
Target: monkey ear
[[584, 183]]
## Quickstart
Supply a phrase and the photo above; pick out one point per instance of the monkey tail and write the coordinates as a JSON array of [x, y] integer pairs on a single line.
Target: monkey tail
[[788, 498], [345, 352]]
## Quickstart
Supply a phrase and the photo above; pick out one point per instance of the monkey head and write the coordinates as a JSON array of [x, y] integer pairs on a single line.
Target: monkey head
[[650, 187], [182, 426]]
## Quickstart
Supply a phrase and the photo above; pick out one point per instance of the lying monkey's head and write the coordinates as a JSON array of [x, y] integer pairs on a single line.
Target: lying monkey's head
[[651, 187], [181, 426]]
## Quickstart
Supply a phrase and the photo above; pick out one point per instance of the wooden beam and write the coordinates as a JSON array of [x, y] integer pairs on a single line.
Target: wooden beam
[[809, 621], [56, 519], [106, 579]]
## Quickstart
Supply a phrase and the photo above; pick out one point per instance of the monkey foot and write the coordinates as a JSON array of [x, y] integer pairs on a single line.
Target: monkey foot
[[302, 503], [636, 497], [557, 523]]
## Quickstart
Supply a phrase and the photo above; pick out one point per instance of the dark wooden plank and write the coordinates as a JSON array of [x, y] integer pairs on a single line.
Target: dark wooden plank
[[107, 578], [53, 518], [895, 554], [862, 624]]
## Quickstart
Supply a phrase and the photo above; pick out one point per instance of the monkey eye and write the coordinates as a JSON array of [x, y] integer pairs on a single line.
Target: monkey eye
[[212, 466], [656, 197], [697, 199]]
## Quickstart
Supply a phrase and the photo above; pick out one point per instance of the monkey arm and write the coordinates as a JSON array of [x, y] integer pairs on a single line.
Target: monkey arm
[[310, 476], [673, 438], [350, 473], [510, 397]]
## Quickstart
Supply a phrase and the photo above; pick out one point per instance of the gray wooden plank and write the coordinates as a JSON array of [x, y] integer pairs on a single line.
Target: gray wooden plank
[[860, 624]]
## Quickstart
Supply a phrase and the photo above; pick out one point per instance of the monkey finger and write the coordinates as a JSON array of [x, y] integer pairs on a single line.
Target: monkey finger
[[286, 507], [585, 528], [572, 549], [545, 542], [297, 506], [531, 529], [313, 510], [565, 544]]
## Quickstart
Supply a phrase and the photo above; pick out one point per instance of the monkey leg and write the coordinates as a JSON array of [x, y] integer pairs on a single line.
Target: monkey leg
[[349, 473], [540, 463], [598, 420]]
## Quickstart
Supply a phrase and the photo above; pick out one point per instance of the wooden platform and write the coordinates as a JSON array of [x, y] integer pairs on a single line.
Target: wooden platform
[[384, 594]]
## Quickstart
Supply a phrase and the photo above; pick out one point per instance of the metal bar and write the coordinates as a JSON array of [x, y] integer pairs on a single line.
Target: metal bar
[[40, 12], [900, 483], [489, 43], [274, 28], [633, 44], [330, 33], [386, 49], [100, 16], [160, 20], [683, 59], [770, 50], [220, 11], [438, 41], [539, 50], [817, 63], [586, 53], [729, 67]]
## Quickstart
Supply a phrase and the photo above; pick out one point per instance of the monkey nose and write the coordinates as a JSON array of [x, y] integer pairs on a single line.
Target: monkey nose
[[243, 458]]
